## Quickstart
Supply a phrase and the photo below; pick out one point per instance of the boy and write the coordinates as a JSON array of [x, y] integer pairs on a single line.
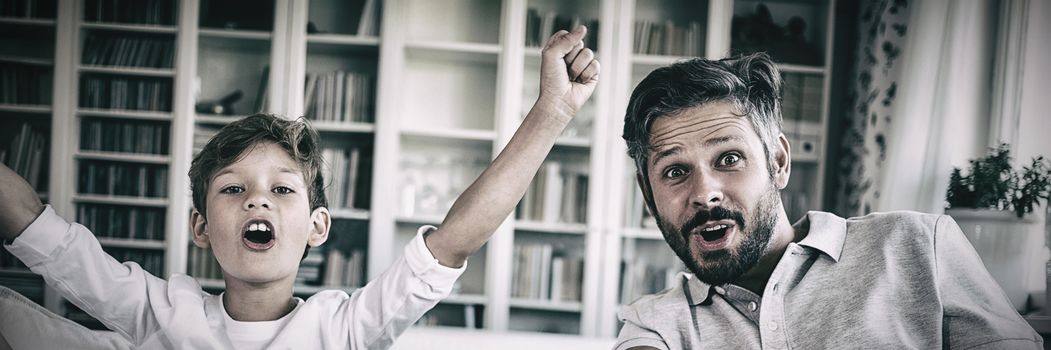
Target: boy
[[259, 201]]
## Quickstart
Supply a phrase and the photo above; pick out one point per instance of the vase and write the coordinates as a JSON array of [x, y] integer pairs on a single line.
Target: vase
[[1007, 245]]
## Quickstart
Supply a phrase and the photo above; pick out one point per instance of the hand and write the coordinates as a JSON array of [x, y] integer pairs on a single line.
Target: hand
[[19, 204], [568, 72]]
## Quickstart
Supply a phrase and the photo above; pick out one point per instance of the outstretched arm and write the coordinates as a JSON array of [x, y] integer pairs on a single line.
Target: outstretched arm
[[568, 75], [19, 204]]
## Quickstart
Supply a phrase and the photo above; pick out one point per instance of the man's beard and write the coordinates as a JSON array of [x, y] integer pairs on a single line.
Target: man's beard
[[725, 265]]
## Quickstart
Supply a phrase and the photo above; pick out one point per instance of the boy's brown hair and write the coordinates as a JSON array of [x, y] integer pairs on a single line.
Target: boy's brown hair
[[229, 145]]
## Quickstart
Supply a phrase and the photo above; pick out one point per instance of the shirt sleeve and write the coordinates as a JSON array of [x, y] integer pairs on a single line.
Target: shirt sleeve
[[635, 333], [71, 260], [976, 312], [386, 306]]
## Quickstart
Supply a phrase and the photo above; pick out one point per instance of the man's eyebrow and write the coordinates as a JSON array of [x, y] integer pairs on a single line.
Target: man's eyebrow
[[666, 153], [715, 141]]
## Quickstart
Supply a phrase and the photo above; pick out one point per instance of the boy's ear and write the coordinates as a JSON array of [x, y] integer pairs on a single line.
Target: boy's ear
[[782, 162], [319, 226], [199, 226]]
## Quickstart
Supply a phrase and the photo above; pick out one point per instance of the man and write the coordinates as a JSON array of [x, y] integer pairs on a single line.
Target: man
[[711, 160]]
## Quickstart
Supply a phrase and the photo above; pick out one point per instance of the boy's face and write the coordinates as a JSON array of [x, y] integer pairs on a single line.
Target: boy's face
[[259, 219]]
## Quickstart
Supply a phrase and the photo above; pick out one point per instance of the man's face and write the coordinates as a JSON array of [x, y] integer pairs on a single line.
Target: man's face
[[716, 200], [259, 219]]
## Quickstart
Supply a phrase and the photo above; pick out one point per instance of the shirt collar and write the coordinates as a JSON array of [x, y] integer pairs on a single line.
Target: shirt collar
[[826, 232], [699, 292]]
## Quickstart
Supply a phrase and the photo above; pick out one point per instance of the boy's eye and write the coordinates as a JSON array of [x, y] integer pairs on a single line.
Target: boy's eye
[[232, 189], [674, 172], [729, 159], [282, 190]]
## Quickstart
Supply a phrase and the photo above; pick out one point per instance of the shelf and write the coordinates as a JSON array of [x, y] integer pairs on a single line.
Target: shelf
[[466, 299], [121, 200], [453, 51], [453, 134], [212, 119], [131, 243], [555, 227], [433, 220], [643, 233], [234, 34], [136, 71], [8, 271], [49, 22], [25, 108], [795, 68], [546, 305], [305, 289], [32, 61], [656, 60], [349, 40], [130, 27], [123, 157], [351, 127], [124, 114], [573, 142], [349, 214], [211, 283]]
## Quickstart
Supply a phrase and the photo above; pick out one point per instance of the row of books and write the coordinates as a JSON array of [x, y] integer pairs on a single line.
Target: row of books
[[449, 315], [24, 84], [668, 38], [639, 278], [539, 27], [124, 51], [558, 193], [339, 96], [802, 96], [201, 264], [132, 93], [310, 268], [27, 154], [128, 136], [347, 172], [637, 214], [150, 260], [156, 12], [343, 270], [28, 8], [123, 179], [117, 221], [30, 286], [542, 272]]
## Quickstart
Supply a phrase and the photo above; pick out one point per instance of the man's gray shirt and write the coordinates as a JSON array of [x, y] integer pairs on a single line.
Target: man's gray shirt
[[883, 281]]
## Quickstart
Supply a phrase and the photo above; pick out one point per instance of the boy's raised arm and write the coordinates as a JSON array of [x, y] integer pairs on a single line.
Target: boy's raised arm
[[568, 75], [19, 204]]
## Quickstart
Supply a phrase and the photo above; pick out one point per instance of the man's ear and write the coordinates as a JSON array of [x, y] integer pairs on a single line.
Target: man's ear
[[647, 192], [321, 222], [199, 226], [782, 162]]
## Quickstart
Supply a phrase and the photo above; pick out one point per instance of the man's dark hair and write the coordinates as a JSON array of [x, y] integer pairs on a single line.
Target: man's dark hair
[[750, 82]]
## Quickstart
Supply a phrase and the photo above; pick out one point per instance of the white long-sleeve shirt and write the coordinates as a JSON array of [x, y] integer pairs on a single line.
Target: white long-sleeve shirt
[[153, 313]]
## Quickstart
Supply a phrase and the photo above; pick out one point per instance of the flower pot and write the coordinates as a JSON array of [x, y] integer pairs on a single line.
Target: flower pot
[[1006, 245]]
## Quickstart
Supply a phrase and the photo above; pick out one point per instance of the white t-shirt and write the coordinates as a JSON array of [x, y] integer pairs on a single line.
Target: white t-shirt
[[153, 313]]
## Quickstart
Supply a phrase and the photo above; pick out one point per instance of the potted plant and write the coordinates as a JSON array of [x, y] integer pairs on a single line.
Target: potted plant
[[994, 206]]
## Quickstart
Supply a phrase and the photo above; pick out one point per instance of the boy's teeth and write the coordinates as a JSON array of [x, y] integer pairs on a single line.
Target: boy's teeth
[[253, 227]]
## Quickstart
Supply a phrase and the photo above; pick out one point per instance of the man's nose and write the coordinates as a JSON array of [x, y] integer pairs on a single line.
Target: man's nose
[[705, 192]]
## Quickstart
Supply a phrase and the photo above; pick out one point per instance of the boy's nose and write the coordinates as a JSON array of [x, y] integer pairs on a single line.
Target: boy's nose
[[257, 201]]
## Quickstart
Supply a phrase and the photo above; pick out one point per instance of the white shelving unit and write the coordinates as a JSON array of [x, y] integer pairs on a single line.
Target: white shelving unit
[[452, 81]]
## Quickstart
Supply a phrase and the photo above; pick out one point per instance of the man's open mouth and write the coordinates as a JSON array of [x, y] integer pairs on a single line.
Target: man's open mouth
[[258, 235], [713, 235]]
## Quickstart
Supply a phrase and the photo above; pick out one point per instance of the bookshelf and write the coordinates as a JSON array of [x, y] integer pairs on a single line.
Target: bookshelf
[[28, 74], [412, 99]]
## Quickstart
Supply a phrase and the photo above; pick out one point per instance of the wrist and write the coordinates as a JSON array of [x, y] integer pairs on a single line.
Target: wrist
[[552, 108]]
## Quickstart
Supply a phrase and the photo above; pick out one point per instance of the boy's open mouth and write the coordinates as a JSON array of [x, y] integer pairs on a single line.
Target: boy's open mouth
[[258, 234]]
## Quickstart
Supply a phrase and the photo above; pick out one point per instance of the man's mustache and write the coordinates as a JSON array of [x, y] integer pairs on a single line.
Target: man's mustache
[[716, 213]]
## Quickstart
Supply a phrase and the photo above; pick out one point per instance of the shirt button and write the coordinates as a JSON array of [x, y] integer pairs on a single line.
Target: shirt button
[[752, 306], [775, 287], [773, 326]]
